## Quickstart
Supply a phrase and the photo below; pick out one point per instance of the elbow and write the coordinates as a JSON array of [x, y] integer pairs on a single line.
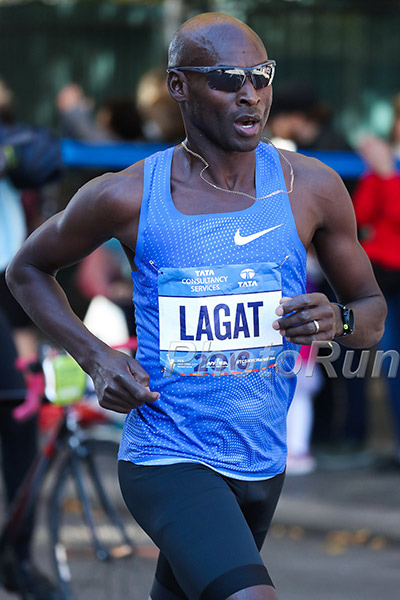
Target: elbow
[[372, 325], [379, 329], [11, 276], [15, 274], [378, 336]]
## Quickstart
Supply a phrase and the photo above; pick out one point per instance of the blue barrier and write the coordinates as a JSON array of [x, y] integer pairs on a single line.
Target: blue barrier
[[348, 164], [109, 156], [121, 155]]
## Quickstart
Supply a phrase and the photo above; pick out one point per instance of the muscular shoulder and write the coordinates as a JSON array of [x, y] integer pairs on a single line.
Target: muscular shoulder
[[319, 200], [115, 193], [316, 178], [109, 202], [317, 186]]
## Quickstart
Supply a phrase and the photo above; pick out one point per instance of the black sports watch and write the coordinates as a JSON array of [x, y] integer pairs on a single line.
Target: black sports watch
[[347, 318]]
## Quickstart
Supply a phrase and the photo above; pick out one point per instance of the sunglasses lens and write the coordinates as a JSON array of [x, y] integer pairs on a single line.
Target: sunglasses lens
[[261, 78], [232, 79], [224, 81]]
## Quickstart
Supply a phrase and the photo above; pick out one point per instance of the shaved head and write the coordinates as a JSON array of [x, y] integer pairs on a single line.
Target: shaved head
[[205, 37]]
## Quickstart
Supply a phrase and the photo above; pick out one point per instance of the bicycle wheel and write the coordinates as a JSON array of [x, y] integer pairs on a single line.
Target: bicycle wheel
[[89, 521]]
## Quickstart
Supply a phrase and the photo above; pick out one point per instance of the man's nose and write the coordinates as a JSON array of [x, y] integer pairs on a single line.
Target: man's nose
[[248, 94]]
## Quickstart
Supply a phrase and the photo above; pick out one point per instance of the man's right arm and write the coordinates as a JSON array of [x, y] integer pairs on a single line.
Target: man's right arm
[[103, 208]]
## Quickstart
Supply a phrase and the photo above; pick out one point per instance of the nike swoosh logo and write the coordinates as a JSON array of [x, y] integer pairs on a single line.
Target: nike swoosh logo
[[245, 239]]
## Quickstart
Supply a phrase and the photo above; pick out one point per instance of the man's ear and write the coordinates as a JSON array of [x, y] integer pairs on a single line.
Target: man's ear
[[177, 86]]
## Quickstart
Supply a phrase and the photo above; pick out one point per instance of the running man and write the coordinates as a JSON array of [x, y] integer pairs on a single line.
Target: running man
[[216, 230]]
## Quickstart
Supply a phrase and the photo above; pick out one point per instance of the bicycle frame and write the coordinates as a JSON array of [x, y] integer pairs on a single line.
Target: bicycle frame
[[66, 435], [29, 489]]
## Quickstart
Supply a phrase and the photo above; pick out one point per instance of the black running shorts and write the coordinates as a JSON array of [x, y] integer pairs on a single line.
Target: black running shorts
[[209, 528]]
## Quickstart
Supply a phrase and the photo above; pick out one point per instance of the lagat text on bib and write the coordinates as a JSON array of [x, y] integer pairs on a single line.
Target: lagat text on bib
[[218, 320]]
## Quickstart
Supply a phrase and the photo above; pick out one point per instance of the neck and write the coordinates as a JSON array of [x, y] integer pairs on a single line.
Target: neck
[[231, 170], [240, 179]]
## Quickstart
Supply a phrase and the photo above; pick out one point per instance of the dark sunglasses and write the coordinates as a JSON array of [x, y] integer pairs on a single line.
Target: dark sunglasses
[[231, 79]]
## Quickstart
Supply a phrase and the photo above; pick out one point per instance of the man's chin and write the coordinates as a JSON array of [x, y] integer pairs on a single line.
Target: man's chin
[[237, 143], [247, 144]]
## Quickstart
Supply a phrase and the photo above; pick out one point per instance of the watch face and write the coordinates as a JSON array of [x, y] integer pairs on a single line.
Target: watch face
[[348, 320]]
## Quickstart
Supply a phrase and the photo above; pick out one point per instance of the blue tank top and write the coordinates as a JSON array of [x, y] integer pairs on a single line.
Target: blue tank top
[[205, 293]]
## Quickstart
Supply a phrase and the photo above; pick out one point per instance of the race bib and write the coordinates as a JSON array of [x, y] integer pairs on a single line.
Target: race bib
[[218, 320]]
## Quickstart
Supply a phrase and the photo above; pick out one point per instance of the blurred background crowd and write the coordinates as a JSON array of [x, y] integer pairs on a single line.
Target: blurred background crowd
[[95, 72]]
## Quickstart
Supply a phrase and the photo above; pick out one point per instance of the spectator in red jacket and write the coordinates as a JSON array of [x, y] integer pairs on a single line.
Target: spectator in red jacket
[[377, 206]]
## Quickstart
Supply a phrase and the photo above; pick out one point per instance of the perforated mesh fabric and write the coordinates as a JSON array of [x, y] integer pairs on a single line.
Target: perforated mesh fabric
[[236, 425]]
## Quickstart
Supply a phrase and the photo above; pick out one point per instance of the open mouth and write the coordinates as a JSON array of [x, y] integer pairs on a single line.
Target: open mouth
[[247, 123]]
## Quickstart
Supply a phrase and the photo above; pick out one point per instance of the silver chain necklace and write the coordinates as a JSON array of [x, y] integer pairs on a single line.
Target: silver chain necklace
[[206, 165]]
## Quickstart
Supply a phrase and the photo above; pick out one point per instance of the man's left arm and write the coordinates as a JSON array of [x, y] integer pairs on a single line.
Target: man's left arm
[[312, 317]]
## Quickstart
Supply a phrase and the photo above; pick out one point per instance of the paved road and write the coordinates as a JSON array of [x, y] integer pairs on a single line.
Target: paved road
[[305, 564], [336, 536], [304, 567], [332, 567]]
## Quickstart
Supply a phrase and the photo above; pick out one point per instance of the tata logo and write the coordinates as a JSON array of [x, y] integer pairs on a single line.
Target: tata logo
[[248, 276]]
